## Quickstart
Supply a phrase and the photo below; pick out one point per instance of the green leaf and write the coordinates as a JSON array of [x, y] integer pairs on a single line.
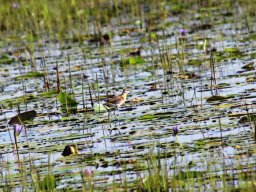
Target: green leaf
[[153, 36], [99, 108], [66, 99], [194, 62], [31, 74], [133, 60], [146, 117], [231, 50], [136, 60]]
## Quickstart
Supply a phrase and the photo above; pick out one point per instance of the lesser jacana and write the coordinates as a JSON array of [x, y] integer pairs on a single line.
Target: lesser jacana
[[117, 101]]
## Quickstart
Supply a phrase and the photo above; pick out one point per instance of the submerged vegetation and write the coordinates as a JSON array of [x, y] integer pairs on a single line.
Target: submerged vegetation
[[188, 123]]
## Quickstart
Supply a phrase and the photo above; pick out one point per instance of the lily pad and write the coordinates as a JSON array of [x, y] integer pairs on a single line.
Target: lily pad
[[215, 98], [20, 118], [66, 99], [249, 66], [194, 62], [147, 117], [133, 60], [99, 107], [233, 52]]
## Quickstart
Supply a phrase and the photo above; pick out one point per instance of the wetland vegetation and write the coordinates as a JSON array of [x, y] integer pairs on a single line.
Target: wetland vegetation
[[189, 120]]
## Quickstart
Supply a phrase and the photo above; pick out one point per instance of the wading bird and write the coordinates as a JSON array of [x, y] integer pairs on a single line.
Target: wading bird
[[116, 101]]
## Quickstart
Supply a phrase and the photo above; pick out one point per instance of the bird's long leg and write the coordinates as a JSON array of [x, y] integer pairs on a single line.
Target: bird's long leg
[[115, 114], [109, 114]]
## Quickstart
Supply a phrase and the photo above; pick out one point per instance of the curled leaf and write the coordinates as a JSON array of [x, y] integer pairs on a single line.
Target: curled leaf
[[66, 99], [20, 118], [70, 150]]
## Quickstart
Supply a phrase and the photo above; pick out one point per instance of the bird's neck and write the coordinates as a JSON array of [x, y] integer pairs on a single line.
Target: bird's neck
[[124, 96]]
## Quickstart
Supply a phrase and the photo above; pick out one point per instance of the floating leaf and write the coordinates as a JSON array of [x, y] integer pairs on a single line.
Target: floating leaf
[[31, 74], [187, 75], [133, 60], [99, 107], [231, 50], [249, 66], [66, 99], [20, 118], [199, 143], [136, 60], [195, 62], [221, 85], [225, 106], [216, 98], [209, 143], [146, 117]]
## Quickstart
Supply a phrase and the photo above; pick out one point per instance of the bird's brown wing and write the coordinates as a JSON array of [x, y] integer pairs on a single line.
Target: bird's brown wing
[[111, 102], [115, 100]]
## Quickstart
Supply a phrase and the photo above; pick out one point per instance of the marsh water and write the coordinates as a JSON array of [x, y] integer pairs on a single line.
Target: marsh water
[[184, 61]]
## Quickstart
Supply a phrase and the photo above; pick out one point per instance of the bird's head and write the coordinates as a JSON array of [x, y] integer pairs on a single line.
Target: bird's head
[[126, 91]]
